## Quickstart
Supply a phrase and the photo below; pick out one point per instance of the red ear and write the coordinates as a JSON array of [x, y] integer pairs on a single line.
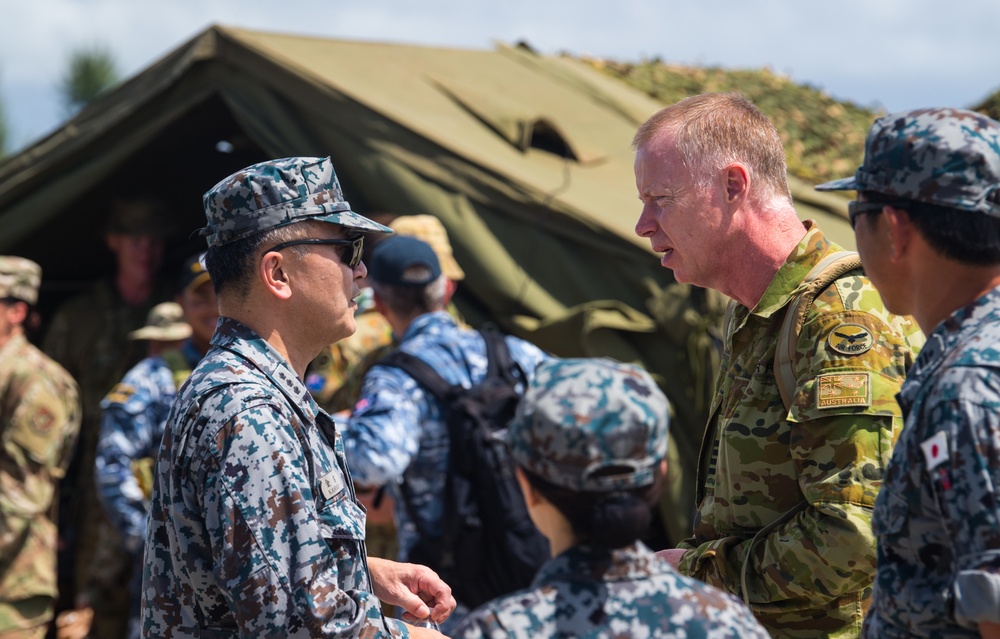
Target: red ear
[[737, 182]]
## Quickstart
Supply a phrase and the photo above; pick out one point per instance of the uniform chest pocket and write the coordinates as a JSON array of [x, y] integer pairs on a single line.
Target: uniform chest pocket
[[341, 519]]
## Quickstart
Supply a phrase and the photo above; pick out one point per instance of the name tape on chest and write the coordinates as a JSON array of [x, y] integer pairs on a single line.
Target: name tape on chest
[[834, 390], [851, 339], [935, 449], [331, 484]]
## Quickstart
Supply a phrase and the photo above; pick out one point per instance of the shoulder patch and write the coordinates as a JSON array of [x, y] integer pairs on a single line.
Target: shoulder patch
[[851, 339], [834, 390], [120, 394]]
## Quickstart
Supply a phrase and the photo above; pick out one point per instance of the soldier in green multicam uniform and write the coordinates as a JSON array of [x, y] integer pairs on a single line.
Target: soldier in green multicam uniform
[[785, 493], [88, 335], [39, 422]]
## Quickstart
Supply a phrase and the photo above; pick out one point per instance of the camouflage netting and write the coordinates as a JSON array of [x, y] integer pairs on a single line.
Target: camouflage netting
[[824, 137]]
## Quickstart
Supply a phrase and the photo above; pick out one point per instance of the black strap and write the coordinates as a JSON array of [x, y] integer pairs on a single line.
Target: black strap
[[498, 364]]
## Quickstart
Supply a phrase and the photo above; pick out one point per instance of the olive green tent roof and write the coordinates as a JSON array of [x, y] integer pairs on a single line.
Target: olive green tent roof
[[525, 158]]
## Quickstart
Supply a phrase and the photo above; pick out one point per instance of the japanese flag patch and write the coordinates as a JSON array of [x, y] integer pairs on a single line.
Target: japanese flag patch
[[935, 450]]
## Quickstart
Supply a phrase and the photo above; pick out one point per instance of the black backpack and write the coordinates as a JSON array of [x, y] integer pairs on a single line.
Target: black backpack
[[489, 546]]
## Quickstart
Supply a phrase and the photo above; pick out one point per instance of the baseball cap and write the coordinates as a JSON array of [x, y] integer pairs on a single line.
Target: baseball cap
[[590, 425], [193, 274], [402, 260], [277, 193], [164, 323], [429, 229], [947, 157], [139, 217], [19, 278]]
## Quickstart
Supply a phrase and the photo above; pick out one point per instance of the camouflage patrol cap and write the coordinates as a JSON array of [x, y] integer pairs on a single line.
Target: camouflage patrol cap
[[277, 193], [590, 425], [164, 323], [19, 278], [946, 157]]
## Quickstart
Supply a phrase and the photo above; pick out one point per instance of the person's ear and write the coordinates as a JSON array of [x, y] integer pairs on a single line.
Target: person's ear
[[450, 287], [900, 232], [736, 179], [531, 496], [17, 312], [275, 275]]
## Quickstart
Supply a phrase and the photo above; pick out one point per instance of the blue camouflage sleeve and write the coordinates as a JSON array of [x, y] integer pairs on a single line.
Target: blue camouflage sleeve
[[967, 487], [383, 434], [287, 533], [130, 420]]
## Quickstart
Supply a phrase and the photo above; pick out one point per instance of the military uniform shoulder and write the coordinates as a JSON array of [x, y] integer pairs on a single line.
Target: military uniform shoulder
[[30, 361]]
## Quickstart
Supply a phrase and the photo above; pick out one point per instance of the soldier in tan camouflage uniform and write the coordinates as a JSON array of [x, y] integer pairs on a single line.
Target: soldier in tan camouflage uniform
[[785, 493], [39, 422]]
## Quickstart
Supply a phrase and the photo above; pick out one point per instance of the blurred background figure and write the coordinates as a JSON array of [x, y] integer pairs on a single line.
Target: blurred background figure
[[177, 336], [590, 442], [88, 335], [39, 422], [397, 435]]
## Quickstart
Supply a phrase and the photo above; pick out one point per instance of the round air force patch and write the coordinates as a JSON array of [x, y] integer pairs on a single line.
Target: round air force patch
[[851, 339]]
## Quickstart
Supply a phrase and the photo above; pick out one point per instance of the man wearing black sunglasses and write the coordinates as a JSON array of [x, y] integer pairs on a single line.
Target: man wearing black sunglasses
[[929, 193], [254, 526]]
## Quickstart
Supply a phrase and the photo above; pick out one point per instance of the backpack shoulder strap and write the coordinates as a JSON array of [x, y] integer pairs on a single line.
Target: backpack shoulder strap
[[499, 364], [420, 371], [829, 269]]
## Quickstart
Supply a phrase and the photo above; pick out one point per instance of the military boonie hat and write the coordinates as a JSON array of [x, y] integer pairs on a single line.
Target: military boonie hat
[[19, 278], [139, 217], [402, 260], [164, 323], [590, 425], [277, 193], [193, 274], [429, 229], [946, 157]]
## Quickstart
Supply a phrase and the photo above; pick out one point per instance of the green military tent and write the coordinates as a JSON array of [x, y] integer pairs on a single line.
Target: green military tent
[[525, 158]]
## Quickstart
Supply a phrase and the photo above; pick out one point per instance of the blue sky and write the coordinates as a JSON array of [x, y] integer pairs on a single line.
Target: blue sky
[[891, 54]]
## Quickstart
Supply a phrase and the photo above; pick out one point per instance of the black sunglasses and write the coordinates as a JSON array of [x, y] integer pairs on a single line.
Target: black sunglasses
[[855, 208], [357, 245]]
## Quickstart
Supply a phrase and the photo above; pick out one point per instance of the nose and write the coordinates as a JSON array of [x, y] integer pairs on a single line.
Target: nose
[[646, 225], [360, 271]]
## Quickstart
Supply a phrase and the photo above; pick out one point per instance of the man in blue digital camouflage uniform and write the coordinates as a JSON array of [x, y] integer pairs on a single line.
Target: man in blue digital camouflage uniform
[[177, 336], [254, 527], [927, 222], [397, 431], [590, 443]]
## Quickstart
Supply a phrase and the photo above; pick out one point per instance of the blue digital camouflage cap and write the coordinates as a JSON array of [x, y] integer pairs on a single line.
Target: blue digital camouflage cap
[[276, 193], [591, 425], [947, 157]]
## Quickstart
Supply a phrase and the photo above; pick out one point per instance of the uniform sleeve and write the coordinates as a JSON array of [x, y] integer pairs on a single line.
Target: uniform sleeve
[[126, 422], [383, 434], [291, 561], [842, 424], [967, 493]]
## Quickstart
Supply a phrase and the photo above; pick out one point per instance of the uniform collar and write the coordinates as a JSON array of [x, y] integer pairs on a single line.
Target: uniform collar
[[945, 339], [240, 339], [812, 248], [429, 323], [12, 345], [583, 563]]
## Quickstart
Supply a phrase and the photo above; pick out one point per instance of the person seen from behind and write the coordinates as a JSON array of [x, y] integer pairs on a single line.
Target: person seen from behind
[[590, 440]]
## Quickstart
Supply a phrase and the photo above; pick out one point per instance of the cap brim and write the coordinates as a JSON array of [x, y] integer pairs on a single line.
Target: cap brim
[[200, 279], [843, 184], [352, 220]]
